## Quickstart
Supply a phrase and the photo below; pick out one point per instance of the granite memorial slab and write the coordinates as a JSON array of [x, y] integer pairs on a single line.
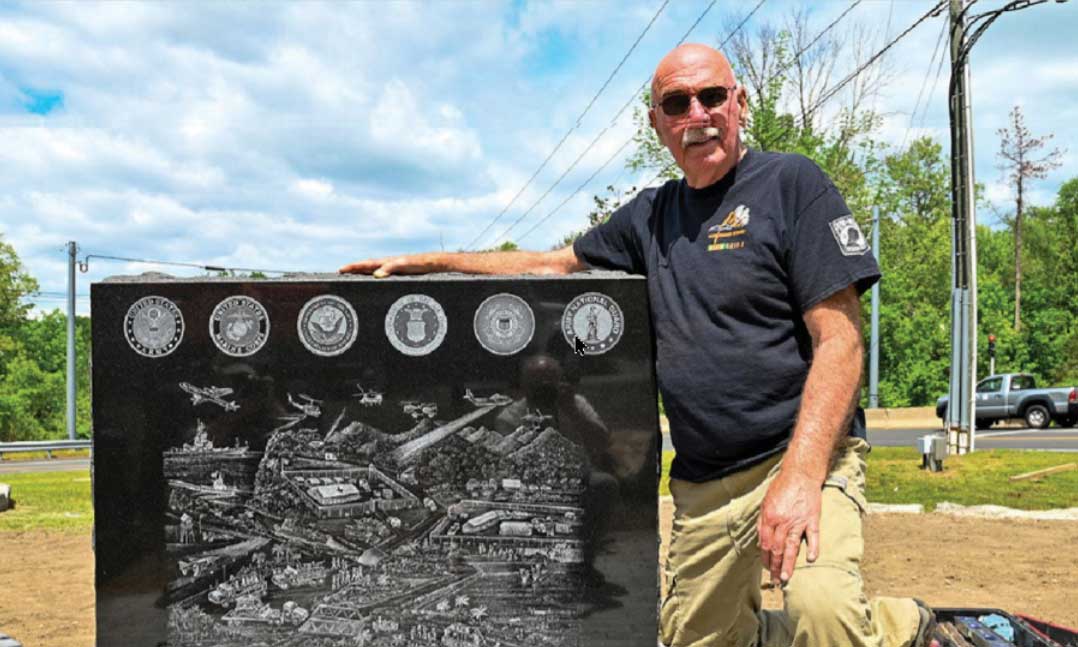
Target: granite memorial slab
[[327, 461]]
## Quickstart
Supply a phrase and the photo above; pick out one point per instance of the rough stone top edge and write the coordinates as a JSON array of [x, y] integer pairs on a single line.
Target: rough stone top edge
[[158, 277]]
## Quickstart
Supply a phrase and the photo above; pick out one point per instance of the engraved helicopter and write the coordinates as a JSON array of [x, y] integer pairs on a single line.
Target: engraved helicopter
[[494, 400], [368, 397], [306, 408], [213, 394], [535, 420]]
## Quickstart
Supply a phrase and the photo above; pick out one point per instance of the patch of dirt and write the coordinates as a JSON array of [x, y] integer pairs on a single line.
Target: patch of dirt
[[1019, 566], [47, 588], [47, 598]]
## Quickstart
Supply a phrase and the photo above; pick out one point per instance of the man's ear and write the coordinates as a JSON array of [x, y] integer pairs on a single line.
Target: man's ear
[[743, 106], [654, 125]]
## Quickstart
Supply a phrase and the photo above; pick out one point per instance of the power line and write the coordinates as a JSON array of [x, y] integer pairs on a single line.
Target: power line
[[924, 83], [578, 190], [605, 129], [84, 264], [574, 127]]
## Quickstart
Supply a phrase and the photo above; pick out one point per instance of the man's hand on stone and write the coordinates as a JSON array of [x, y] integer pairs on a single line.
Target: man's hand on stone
[[383, 267], [790, 511]]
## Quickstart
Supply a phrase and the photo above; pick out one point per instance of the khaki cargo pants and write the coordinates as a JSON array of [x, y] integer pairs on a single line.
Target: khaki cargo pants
[[713, 569]]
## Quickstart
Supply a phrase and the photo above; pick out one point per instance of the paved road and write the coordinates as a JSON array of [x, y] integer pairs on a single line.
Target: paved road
[[1052, 438], [55, 465]]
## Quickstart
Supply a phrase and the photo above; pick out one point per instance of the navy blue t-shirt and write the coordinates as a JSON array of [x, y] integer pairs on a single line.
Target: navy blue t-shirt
[[730, 270]]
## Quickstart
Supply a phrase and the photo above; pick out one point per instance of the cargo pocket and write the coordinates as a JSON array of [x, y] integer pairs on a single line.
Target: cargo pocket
[[848, 473]]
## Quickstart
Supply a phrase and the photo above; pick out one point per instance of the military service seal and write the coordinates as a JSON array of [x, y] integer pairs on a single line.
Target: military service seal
[[153, 326], [595, 319], [239, 326], [327, 325], [504, 324], [416, 324]]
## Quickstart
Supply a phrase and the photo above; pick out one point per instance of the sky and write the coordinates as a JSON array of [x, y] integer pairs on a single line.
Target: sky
[[302, 136]]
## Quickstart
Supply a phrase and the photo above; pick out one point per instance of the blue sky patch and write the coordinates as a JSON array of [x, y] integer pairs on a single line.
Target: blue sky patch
[[41, 102]]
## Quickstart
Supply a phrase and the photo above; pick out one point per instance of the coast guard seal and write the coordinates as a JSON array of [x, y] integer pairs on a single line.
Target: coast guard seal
[[504, 324], [239, 326], [416, 324], [595, 319], [153, 326], [327, 325]]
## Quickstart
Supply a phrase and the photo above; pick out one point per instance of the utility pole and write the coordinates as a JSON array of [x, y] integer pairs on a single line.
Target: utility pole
[[961, 413], [874, 344], [72, 250]]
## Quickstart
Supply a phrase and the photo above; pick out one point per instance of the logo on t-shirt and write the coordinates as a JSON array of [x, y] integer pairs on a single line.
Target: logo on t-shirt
[[734, 225], [848, 236]]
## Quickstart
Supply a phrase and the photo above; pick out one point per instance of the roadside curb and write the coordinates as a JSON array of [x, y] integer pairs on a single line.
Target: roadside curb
[[1001, 512]]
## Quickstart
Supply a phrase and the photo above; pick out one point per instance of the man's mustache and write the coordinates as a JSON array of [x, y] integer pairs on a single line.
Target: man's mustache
[[698, 135]]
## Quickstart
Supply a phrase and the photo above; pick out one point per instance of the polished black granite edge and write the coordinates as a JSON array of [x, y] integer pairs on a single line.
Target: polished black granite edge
[[483, 490]]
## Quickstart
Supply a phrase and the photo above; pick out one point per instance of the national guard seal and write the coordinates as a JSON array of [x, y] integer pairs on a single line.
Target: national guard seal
[[239, 326], [595, 319], [153, 326], [327, 325], [504, 324], [416, 324]]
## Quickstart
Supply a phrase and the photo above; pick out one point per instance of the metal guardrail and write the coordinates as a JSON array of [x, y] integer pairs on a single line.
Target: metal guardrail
[[47, 446]]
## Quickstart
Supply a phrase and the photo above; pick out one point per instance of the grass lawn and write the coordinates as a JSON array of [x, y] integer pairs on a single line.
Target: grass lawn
[[49, 501], [894, 476]]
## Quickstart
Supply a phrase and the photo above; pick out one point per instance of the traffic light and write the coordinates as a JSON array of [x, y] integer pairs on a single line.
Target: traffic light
[[992, 346]]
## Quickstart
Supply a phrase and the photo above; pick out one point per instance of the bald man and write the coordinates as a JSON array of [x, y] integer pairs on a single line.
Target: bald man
[[754, 281]]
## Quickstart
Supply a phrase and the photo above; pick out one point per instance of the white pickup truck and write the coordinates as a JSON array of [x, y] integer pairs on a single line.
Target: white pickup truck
[[1015, 395]]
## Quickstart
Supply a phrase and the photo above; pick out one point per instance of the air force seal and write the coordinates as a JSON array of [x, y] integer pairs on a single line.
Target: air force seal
[[595, 319], [327, 325], [504, 324], [153, 326], [416, 324], [239, 326]]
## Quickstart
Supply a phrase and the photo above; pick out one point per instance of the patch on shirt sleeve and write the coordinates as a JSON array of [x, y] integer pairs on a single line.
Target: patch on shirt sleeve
[[848, 236]]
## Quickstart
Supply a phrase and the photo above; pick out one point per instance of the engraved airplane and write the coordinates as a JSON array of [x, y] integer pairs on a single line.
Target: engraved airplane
[[214, 394], [495, 400], [368, 398]]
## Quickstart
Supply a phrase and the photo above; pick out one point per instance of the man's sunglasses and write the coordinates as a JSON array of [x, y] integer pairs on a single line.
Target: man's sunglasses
[[678, 103]]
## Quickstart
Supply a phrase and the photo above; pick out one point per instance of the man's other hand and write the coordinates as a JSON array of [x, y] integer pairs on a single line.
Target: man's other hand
[[790, 511]]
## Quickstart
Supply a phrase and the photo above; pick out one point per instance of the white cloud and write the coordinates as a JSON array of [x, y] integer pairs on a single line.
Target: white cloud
[[324, 132]]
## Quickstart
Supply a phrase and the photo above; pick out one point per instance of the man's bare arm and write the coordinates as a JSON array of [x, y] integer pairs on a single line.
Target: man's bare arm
[[559, 261], [791, 508]]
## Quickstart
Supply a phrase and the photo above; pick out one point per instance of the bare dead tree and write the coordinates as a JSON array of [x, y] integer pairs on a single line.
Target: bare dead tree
[[1017, 148], [805, 62]]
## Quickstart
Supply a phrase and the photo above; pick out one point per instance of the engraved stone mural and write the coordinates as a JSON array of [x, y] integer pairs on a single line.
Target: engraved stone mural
[[420, 462]]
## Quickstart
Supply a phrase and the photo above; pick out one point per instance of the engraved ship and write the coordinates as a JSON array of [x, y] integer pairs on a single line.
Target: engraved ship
[[201, 444]]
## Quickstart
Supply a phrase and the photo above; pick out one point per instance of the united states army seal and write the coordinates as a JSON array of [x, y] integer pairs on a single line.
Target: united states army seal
[[416, 324], [504, 324], [327, 325], [239, 326], [153, 326], [595, 320]]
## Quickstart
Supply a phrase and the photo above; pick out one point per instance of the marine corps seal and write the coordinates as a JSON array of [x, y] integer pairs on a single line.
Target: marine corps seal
[[153, 326], [595, 319], [239, 326], [327, 325], [416, 324], [504, 324]]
